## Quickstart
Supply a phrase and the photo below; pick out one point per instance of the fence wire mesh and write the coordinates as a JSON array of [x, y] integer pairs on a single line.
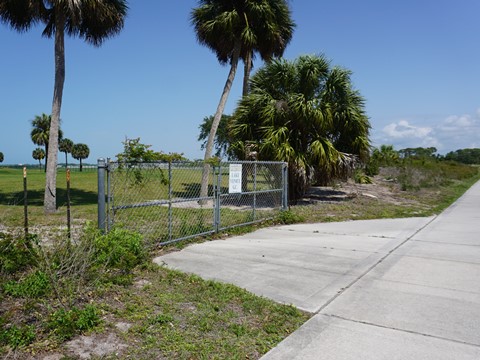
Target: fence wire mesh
[[163, 201]]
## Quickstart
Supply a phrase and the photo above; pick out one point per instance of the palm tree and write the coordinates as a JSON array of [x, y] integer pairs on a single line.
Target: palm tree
[[222, 141], [234, 30], [94, 21], [40, 133], [65, 146], [307, 114], [38, 154], [80, 152]]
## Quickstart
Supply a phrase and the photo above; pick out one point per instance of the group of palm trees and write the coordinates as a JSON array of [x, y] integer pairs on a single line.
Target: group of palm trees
[[304, 112], [40, 135], [235, 30]]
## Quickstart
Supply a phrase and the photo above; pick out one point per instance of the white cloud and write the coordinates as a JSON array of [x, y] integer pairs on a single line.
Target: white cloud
[[454, 132], [403, 129], [456, 122]]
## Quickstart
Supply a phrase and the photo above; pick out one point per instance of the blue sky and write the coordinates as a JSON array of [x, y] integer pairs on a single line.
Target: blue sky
[[415, 61]]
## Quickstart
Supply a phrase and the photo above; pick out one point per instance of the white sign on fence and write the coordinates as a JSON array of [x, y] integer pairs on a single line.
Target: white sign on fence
[[235, 178]]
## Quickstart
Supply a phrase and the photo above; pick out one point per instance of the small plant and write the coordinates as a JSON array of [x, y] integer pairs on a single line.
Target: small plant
[[33, 286], [17, 336], [362, 178], [289, 217], [119, 249], [16, 253], [65, 324]]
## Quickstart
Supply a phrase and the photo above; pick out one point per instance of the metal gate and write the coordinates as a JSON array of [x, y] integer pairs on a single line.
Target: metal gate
[[163, 200]]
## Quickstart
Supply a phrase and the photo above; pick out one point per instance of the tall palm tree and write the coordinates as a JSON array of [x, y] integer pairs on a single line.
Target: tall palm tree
[[234, 30], [38, 154], [305, 113], [80, 152], [65, 146], [40, 133], [93, 20]]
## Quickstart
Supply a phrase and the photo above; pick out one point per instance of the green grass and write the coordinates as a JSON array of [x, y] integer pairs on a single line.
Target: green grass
[[83, 197]]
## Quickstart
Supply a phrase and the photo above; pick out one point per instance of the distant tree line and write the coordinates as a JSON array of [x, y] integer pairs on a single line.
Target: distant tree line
[[465, 156], [386, 155]]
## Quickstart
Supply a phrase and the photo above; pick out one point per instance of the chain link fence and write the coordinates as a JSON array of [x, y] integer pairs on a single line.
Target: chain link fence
[[163, 200]]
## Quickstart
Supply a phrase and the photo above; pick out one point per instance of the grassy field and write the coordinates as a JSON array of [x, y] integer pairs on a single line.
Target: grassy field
[[130, 188], [106, 286]]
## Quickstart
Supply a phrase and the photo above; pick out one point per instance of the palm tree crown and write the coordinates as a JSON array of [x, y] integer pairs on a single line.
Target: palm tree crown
[[244, 26], [80, 152], [306, 113], [40, 133], [65, 146]]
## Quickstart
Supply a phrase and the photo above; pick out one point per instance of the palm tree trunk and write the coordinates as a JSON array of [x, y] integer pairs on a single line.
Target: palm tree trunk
[[66, 163], [46, 156], [247, 69], [49, 204], [246, 73], [81, 166], [217, 118]]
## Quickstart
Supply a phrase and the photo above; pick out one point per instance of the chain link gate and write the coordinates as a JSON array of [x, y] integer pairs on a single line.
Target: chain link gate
[[162, 200]]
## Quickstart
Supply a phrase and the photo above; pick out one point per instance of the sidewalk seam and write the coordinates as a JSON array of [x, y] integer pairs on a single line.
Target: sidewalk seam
[[372, 267], [402, 330]]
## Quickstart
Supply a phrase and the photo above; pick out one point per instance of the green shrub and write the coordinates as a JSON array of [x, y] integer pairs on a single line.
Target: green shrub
[[32, 286], [17, 336], [361, 178], [119, 249], [65, 324], [16, 253], [289, 217]]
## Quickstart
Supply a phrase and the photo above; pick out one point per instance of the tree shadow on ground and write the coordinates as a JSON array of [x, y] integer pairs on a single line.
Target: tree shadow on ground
[[35, 197], [192, 190], [318, 193]]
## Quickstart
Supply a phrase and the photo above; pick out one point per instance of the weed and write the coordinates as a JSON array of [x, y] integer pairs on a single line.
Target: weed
[[289, 217], [17, 336], [362, 178], [64, 324], [33, 286], [16, 253], [119, 249]]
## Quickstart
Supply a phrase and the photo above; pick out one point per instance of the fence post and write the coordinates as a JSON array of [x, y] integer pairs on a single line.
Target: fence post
[[217, 183], [101, 166], [285, 186], [108, 220], [25, 203], [254, 190], [69, 223], [170, 210]]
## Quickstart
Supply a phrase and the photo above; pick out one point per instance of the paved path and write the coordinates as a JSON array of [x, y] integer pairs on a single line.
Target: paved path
[[380, 289]]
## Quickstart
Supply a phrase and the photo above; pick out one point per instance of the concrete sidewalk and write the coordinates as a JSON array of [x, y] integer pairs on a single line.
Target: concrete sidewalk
[[380, 289]]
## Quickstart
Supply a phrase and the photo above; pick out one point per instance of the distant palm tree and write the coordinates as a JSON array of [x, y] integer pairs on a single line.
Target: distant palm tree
[[307, 114], [65, 146], [234, 30], [93, 20], [40, 133], [80, 152], [222, 141], [38, 154]]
